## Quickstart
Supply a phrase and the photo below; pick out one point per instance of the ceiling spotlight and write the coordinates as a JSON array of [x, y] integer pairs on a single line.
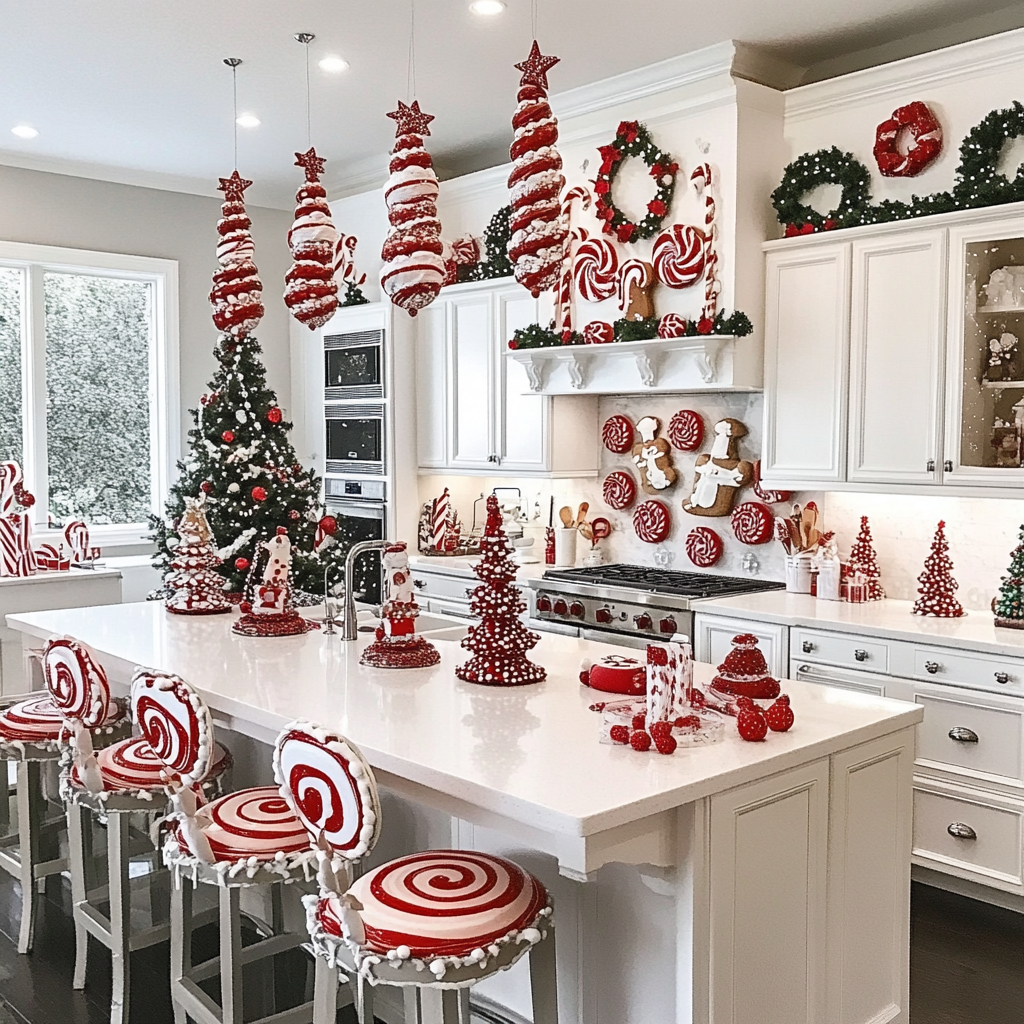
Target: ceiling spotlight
[[487, 8], [24, 131], [333, 65], [248, 121]]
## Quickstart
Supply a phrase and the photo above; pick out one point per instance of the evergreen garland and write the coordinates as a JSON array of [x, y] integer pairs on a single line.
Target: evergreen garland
[[354, 295]]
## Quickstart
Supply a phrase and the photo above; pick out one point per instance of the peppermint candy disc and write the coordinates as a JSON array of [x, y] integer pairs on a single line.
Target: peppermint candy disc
[[704, 547], [250, 823], [753, 523], [176, 723], [595, 269], [445, 902], [597, 332], [679, 255], [652, 521], [686, 430], [329, 787], [619, 490], [617, 434], [672, 325], [76, 683]]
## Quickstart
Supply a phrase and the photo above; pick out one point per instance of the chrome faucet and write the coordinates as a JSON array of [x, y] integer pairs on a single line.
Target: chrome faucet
[[348, 626]]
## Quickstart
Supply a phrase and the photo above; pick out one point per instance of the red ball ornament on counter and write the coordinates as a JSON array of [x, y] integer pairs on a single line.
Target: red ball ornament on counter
[[206, 487], [259, 494], [241, 564], [780, 715], [329, 525], [274, 414], [751, 723], [228, 436]]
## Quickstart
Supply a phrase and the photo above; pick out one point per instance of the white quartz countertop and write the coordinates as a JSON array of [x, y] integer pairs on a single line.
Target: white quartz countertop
[[975, 631], [462, 565], [530, 753]]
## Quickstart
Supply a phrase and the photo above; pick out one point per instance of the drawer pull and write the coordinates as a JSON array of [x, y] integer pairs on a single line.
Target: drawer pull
[[1003, 677], [807, 647], [861, 655], [962, 735], [958, 830], [419, 584], [931, 667]]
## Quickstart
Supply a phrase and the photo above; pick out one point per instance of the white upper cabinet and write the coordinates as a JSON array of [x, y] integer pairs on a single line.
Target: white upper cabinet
[[897, 331], [475, 411], [806, 354]]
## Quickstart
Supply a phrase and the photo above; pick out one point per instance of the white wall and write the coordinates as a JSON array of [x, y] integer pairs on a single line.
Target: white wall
[[58, 209]]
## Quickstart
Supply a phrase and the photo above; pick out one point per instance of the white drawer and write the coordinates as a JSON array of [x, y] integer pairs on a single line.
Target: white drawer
[[964, 732], [863, 682], [839, 649], [439, 584], [943, 665], [993, 855]]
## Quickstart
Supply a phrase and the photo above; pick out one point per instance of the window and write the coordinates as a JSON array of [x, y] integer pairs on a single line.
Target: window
[[88, 383]]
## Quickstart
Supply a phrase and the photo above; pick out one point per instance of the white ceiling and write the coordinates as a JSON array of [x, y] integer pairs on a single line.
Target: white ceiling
[[135, 91]]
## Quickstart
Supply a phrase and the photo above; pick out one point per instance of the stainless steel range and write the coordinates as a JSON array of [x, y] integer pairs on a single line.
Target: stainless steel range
[[629, 604]]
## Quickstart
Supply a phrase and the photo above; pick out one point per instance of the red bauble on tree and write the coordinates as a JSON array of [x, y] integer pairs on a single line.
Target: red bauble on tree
[[538, 228], [499, 642], [235, 298], [228, 436], [938, 587], [274, 414], [864, 561], [413, 270], [310, 289]]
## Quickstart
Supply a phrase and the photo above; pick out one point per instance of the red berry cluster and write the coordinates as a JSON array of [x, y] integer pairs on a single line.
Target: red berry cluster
[[753, 722], [637, 735]]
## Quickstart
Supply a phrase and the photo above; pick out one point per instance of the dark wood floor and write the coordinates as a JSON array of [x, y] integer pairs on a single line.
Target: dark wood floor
[[967, 966]]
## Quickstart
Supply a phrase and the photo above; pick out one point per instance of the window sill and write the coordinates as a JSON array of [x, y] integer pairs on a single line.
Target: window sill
[[111, 540]]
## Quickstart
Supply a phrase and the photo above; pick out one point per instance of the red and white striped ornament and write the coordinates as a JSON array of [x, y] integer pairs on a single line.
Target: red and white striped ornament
[[753, 523], [16, 555], [597, 332], [595, 268], [701, 179], [652, 521], [563, 304], [619, 490], [175, 722], [76, 533], [439, 520], [679, 254], [672, 325], [704, 547], [686, 430], [237, 289]]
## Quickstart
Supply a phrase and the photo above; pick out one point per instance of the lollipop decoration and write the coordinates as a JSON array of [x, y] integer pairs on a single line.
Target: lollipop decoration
[[237, 288], [753, 523], [704, 547], [652, 521], [595, 268], [538, 229], [413, 270], [619, 490], [686, 430], [17, 557], [617, 434], [680, 253]]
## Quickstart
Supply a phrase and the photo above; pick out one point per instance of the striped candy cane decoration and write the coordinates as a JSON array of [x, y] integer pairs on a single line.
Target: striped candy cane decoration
[[439, 521], [563, 305], [15, 548], [10, 478], [701, 179], [76, 533]]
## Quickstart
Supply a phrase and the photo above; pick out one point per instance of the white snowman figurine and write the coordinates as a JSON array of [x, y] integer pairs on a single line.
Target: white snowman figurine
[[398, 616], [271, 597]]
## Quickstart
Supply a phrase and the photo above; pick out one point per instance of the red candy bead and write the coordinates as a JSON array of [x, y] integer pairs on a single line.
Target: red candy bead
[[259, 494], [665, 744], [780, 715], [639, 721], [640, 740], [751, 724], [618, 734]]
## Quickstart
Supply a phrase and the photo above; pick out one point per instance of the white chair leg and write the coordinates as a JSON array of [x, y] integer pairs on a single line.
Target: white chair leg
[[78, 821], [432, 1005], [412, 1005], [325, 993], [364, 1001], [30, 810], [181, 943], [462, 1000], [230, 955], [5, 795], [544, 980], [120, 916]]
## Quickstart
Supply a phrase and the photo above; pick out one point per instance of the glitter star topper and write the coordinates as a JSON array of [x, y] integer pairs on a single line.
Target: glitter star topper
[[536, 67], [410, 120], [234, 186], [313, 164]]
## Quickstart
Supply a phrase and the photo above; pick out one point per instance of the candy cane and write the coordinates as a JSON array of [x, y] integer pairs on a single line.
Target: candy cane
[[15, 547], [439, 525], [701, 179], [563, 306], [633, 272], [10, 478], [77, 535]]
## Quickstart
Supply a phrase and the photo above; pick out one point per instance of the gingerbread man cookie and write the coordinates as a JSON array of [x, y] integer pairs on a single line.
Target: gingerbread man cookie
[[652, 456], [719, 476]]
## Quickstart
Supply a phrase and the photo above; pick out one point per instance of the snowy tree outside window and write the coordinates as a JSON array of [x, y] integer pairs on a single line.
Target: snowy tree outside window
[[10, 364]]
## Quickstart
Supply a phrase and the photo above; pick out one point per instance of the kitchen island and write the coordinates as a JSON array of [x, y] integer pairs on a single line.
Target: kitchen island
[[754, 883]]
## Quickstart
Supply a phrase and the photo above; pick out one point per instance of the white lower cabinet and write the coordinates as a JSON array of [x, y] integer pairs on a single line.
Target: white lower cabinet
[[713, 636]]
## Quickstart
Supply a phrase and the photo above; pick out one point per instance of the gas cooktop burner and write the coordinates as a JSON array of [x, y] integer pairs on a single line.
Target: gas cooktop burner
[[662, 581]]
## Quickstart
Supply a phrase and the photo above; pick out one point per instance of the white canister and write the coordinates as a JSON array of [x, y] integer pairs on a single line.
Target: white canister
[[798, 574], [828, 580], [565, 545]]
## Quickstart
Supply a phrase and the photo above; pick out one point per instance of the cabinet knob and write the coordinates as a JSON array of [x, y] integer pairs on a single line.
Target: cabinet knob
[[930, 466], [1002, 677], [931, 667], [861, 655], [948, 465], [807, 647], [419, 584], [958, 830], [960, 734]]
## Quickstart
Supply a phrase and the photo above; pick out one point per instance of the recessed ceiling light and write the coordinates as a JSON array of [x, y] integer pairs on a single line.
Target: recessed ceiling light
[[248, 121], [487, 8], [24, 131], [333, 65]]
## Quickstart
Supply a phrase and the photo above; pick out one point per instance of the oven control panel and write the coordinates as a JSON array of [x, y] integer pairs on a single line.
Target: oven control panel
[[612, 616]]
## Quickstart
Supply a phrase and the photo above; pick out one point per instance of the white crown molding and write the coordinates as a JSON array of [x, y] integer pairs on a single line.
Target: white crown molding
[[948, 65], [364, 175], [467, 187]]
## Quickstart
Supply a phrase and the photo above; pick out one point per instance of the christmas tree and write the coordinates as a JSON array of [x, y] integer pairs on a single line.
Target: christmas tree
[[937, 583], [195, 588], [1009, 605], [500, 640], [863, 560], [242, 460]]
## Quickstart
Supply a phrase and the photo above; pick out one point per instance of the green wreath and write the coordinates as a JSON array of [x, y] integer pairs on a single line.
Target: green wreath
[[978, 183], [633, 139], [825, 167]]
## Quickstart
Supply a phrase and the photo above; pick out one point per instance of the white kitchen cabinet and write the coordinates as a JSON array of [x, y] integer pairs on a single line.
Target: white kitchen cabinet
[[475, 411], [713, 634]]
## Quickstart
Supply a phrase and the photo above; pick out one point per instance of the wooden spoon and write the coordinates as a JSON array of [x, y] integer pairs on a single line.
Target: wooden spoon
[[584, 509], [586, 531], [565, 514]]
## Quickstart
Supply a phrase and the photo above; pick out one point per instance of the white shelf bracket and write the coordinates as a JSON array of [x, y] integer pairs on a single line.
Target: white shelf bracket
[[707, 360]]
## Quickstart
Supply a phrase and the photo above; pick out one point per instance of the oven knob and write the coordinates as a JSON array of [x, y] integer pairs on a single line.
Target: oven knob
[[544, 603], [603, 615], [643, 621], [560, 607], [577, 609], [667, 625]]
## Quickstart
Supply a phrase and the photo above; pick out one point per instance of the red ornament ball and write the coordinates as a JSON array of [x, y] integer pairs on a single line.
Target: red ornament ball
[[206, 487], [274, 414], [292, 514], [228, 436], [639, 721], [780, 715], [329, 525], [618, 734], [259, 494], [665, 744], [640, 740], [241, 564], [751, 724], [660, 729]]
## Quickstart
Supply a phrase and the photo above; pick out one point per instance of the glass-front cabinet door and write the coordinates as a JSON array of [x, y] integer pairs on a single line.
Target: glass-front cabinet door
[[985, 369]]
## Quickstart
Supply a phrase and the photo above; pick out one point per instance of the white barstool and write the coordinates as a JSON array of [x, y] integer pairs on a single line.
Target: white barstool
[[247, 838], [112, 784], [433, 923]]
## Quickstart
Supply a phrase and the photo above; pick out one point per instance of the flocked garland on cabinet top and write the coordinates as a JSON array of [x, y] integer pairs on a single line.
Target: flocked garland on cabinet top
[[977, 182]]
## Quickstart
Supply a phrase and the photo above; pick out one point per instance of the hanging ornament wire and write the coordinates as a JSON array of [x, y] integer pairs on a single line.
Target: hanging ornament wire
[[233, 62], [306, 38], [410, 83], [533, 18]]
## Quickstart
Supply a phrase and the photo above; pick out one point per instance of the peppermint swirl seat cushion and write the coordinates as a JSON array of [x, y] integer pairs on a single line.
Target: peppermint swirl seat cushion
[[38, 720], [132, 764]]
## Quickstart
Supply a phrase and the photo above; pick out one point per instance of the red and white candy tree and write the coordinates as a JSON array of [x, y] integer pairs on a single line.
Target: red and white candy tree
[[499, 642], [195, 588], [938, 588], [237, 306]]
